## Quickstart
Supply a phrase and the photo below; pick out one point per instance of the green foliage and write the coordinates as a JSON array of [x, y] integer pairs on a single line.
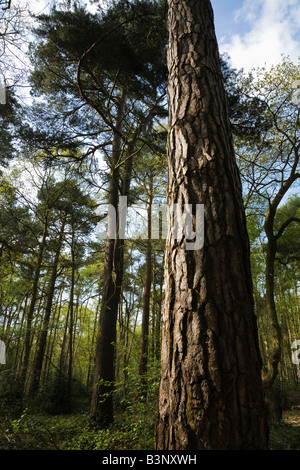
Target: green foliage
[[54, 398], [39, 432], [136, 414], [246, 113], [288, 244], [137, 36], [133, 429], [9, 123], [83, 61], [10, 399]]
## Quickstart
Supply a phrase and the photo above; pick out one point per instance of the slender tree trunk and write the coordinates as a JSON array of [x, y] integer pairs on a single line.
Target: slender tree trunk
[[54, 333], [103, 381], [153, 307], [211, 394], [273, 359], [20, 346], [91, 353], [104, 374], [71, 325], [31, 310], [146, 294], [63, 349], [159, 318], [41, 347]]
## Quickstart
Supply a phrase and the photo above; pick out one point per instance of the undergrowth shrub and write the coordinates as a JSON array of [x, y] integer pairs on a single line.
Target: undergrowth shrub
[[135, 402], [45, 426]]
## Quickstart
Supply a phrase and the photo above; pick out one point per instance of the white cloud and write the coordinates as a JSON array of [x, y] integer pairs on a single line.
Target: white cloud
[[273, 30]]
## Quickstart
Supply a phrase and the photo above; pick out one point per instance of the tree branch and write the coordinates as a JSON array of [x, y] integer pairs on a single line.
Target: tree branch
[[285, 225]]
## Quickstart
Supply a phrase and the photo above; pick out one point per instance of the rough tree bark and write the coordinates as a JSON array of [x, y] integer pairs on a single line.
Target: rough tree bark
[[271, 367], [211, 394]]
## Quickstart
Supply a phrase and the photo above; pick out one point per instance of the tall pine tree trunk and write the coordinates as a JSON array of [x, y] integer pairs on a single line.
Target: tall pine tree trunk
[[273, 359], [71, 324], [103, 381], [104, 373], [211, 394], [146, 294], [42, 341], [28, 333]]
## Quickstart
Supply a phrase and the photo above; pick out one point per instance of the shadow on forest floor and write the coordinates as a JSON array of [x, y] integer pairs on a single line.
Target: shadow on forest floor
[[72, 433], [285, 434], [33, 431]]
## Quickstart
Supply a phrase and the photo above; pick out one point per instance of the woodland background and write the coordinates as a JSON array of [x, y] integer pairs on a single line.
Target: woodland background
[[57, 132]]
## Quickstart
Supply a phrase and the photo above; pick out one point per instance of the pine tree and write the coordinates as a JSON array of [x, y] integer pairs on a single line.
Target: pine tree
[[211, 394]]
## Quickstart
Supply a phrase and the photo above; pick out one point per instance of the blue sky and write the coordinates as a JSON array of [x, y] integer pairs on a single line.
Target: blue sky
[[257, 32]]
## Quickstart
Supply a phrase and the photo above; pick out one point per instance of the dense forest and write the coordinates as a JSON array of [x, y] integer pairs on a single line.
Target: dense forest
[[89, 164]]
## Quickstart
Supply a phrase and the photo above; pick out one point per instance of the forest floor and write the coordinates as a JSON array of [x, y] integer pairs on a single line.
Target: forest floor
[[131, 431], [285, 434], [71, 432], [292, 417]]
